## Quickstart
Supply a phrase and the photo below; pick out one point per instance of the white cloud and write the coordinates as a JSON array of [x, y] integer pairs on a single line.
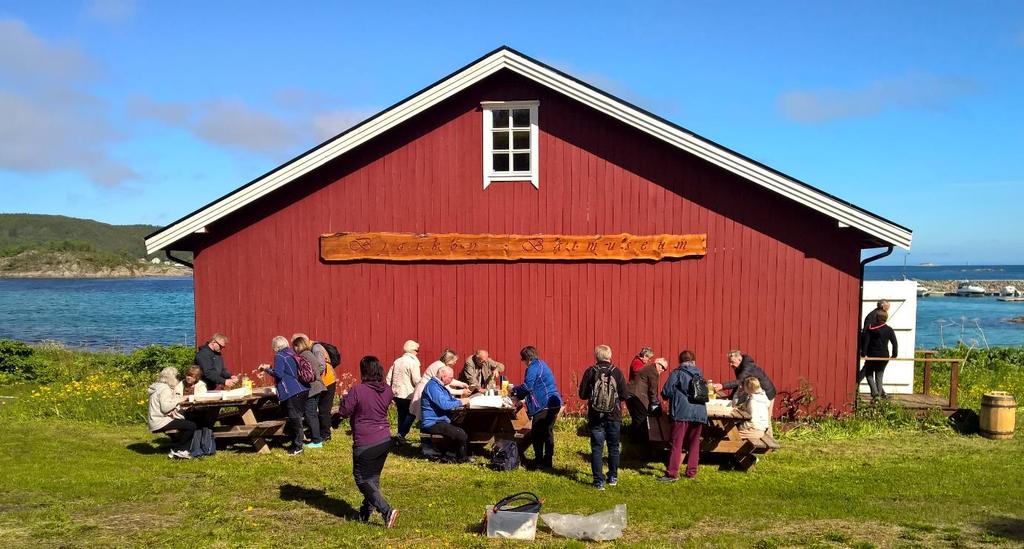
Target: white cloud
[[51, 122], [111, 11], [912, 92], [236, 124]]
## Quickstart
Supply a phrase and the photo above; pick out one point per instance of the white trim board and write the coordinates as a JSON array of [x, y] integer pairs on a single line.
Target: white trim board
[[506, 58]]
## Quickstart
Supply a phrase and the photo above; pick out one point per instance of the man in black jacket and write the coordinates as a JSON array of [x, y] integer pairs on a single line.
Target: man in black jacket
[[874, 343], [604, 388], [745, 367], [208, 358]]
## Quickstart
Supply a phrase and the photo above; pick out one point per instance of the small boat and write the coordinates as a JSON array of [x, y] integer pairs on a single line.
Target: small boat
[[1010, 291], [923, 291], [965, 288]]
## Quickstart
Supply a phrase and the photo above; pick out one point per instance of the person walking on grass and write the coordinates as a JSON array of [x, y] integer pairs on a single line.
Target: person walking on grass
[[366, 405], [403, 376], [163, 413], [543, 403], [604, 389], [291, 391], [688, 415]]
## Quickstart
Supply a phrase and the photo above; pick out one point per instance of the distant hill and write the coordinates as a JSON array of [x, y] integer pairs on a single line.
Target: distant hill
[[32, 231], [56, 245]]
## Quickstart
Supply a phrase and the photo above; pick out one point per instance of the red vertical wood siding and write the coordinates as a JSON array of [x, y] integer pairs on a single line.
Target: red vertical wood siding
[[779, 281]]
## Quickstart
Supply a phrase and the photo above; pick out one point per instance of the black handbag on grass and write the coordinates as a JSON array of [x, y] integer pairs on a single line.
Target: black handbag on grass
[[523, 502]]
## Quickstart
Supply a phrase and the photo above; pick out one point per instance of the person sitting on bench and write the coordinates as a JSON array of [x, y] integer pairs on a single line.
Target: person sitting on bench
[[756, 404], [164, 415], [436, 404]]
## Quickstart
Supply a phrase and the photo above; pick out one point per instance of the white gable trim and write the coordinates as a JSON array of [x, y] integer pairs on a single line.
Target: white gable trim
[[507, 59]]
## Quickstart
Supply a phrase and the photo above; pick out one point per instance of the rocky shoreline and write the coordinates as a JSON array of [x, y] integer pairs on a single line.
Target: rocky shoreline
[[949, 286], [147, 271]]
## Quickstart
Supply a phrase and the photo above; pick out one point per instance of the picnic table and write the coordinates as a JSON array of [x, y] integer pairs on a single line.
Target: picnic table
[[720, 436], [254, 418], [485, 425]]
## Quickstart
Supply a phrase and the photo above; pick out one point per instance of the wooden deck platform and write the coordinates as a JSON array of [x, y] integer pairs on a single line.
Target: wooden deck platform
[[923, 402]]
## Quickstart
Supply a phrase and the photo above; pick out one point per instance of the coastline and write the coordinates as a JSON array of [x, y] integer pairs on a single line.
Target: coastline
[[949, 286], [121, 272]]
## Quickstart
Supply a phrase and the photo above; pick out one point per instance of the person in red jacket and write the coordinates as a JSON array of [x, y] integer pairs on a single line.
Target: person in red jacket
[[639, 361]]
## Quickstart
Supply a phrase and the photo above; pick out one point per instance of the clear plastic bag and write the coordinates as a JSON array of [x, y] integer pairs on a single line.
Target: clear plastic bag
[[603, 526]]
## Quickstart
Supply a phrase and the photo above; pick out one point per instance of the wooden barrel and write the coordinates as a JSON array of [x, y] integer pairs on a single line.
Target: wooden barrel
[[998, 414]]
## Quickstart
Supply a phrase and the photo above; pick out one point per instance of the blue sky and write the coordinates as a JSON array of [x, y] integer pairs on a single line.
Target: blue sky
[[139, 112]]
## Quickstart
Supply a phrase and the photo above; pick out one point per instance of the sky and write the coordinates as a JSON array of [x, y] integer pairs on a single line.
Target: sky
[[140, 112]]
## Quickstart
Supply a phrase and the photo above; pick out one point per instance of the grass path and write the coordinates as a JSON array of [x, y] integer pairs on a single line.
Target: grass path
[[68, 484]]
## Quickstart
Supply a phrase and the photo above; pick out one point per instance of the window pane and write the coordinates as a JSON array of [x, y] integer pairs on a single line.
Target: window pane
[[500, 119], [521, 118], [521, 162], [501, 162], [500, 141], [521, 140]]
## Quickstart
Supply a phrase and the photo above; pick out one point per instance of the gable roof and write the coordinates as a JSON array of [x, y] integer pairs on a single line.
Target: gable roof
[[843, 212]]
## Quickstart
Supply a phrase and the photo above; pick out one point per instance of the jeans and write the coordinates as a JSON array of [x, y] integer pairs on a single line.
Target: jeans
[[601, 431], [542, 436], [312, 413], [325, 401], [873, 370], [296, 406], [638, 412], [452, 433], [367, 464], [182, 440], [405, 419], [690, 432]]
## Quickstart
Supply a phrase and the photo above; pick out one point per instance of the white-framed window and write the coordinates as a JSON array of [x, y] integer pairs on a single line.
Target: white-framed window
[[510, 142]]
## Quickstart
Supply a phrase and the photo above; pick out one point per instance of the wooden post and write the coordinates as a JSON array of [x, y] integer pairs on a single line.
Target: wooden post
[[927, 383], [954, 375]]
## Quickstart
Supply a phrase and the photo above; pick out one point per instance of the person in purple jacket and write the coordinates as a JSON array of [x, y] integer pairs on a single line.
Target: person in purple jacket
[[291, 391], [366, 405]]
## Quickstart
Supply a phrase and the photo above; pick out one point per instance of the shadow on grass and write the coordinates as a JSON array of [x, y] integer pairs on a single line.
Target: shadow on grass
[[319, 499], [150, 448], [1006, 527], [965, 421]]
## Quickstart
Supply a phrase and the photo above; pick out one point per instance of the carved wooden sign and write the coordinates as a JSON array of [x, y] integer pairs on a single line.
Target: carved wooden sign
[[508, 247]]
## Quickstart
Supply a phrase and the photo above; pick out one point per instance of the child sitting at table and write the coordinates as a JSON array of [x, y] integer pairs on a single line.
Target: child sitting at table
[[754, 401], [192, 384]]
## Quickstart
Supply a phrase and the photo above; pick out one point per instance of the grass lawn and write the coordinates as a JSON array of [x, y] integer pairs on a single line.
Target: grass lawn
[[70, 484]]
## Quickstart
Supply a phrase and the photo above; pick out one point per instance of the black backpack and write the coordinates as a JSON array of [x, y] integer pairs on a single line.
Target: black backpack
[[504, 455], [332, 353], [604, 394], [697, 392]]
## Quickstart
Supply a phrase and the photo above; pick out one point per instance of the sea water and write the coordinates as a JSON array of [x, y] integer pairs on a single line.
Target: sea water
[[127, 313]]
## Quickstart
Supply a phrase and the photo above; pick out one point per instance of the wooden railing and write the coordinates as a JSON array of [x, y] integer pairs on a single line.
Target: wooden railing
[[926, 382]]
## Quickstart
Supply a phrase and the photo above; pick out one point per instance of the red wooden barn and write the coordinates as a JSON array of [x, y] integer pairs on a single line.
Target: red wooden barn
[[509, 145]]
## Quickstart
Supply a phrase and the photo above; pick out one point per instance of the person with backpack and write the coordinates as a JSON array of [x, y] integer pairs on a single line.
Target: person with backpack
[[604, 388], [291, 390], [329, 358], [367, 405], [304, 348], [543, 403], [687, 396]]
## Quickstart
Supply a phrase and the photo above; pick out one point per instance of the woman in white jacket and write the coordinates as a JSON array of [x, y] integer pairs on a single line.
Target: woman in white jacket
[[164, 414], [402, 377]]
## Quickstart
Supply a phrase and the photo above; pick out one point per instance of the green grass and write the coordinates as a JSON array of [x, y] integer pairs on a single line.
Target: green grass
[[67, 483]]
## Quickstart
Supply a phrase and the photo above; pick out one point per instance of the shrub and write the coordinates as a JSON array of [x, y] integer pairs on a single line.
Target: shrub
[[154, 357], [16, 361], [108, 397]]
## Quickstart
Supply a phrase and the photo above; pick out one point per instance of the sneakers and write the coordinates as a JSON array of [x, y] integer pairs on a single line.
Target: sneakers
[[314, 445], [363, 515], [612, 481], [179, 454], [667, 478], [389, 522], [295, 451], [599, 485]]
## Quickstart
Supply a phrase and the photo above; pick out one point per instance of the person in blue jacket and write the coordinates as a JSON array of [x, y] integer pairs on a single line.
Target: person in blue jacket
[[291, 392], [437, 403], [688, 417], [543, 402]]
